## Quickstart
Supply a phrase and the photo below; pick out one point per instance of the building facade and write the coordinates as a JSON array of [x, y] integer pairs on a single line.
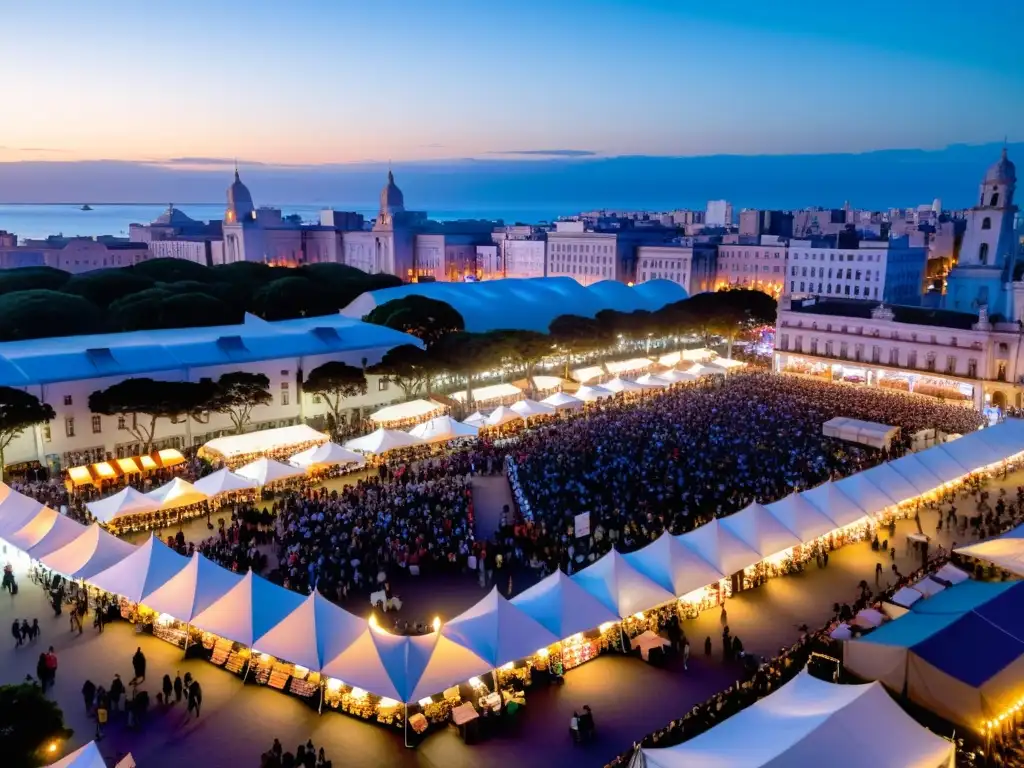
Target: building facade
[[74, 255], [760, 265], [876, 270], [586, 257]]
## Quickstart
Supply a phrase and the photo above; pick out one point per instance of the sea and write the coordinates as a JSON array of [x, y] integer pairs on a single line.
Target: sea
[[40, 221]]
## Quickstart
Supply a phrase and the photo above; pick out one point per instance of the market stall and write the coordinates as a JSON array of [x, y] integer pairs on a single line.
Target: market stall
[[589, 394], [620, 586], [147, 568], [617, 386], [530, 409], [563, 607], [224, 481], [177, 493], [588, 374], [496, 630], [127, 501], [653, 380], [84, 757], [562, 401], [443, 429], [756, 527], [494, 393], [501, 416], [801, 517], [677, 377], [266, 471], [93, 551], [382, 441], [406, 414], [235, 450], [476, 419], [869, 433], [673, 566]]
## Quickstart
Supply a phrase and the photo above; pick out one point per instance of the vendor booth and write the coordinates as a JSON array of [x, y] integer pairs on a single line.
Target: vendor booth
[[177, 493], [530, 409], [406, 414], [267, 471], [223, 481], [237, 449], [443, 429], [127, 501], [562, 401], [382, 441], [501, 416], [592, 393], [326, 455], [505, 393], [1005, 551], [870, 433]]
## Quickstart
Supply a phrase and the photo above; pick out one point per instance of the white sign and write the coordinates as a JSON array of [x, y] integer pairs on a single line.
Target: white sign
[[582, 523]]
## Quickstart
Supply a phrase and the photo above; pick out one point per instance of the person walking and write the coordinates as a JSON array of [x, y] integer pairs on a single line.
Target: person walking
[[51, 666], [167, 688], [195, 697], [41, 671], [686, 653], [16, 631], [89, 694], [116, 692], [35, 630], [707, 645], [139, 664], [177, 687]]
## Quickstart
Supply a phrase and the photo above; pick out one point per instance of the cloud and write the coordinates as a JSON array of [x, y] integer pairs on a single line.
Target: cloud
[[547, 152], [32, 149], [205, 161], [432, 146]]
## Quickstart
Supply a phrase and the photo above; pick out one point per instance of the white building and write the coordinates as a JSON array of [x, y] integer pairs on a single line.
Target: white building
[[719, 213], [75, 255], [521, 251], [760, 265], [586, 257], [877, 270], [65, 371]]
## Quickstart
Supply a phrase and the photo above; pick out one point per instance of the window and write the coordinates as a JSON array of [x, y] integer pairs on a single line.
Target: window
[[995, 199], [858, 352], [929, 361], [843, 350], [67, 399], [121, 423], [785, 341], [846, 290], [983, 254], [951, 364], [972, 368], [894, 356], [317, 399], [793, 272], [986, 223], [803, 287], [69, 426], [97, 425], [828, 349], [46, 433], [912, 359], [1001, 371], [284, 393], [382, 384], [284, 374], [814, 346], [876, 354], [792, 286]]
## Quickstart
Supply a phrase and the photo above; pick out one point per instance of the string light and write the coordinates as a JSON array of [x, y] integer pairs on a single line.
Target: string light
[[1007, 713]]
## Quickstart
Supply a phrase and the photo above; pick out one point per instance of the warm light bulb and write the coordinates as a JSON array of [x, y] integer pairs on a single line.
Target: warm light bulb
[[543, 653], [52, 747], [436, 623], [510, 665], [426, 702]]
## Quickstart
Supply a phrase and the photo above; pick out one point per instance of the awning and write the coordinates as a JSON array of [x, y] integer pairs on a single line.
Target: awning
[[265, 471], [673, 566], [127, 501], [382, 441], [262, 441], [414, 409]]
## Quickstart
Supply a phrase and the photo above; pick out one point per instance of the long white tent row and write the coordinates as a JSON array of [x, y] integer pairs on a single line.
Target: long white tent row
[[311, 631]]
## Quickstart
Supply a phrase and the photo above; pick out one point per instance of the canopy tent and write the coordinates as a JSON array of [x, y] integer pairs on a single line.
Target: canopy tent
[[443, 663], [266, 471], [951, 573], [959, 654], [16, 511], [546, 383], [380, 662], [34, 530], [562, 401], [865, 494], [906, 596], [620, 587], [975, 449], [801, 517], [583, 375], [1005, 551], [414, 409], [84, 757], [653, 380], [928, 586], [869, 617], [327, 455], [858, 431], [477, 419], [502, 415], [193, 589], [720, 547], [756, 527], [492, 392], [805, 722], [248, 610], [834, 504], [223, 481], [177, 493], [727, 363], [127, 501], [528, 409], [673, 566], [590, 394], [894, 484], [633, 364], [916, 473], [941, 464], [617, 385], [382, 440], [442, 429], [673, 376], [562, 606], [61, 531], [141, 573], [261, 441], [704, 370], [497, 631], [93, 551]]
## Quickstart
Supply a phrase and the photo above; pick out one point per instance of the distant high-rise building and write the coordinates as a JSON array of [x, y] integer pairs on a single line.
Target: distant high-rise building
[[719, 213]]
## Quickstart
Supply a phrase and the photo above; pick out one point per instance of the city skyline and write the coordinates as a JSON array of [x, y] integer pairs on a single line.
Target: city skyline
[[331, 84]]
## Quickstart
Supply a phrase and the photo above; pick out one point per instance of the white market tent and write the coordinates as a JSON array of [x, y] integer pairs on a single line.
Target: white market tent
[[620, 586], [223, 481], [84, 757], [378, 661], [590, 394], [617, 385], [141, 573], [653, 380], [477, 419], [491, 392], [265, 471], [857, 431], [547, 383], [562, 606], [756, 527], [16, 510], [382, 440], [917, 474], [249, 610], [633, 364], [447, 663], [906, 597], [61, 531], [727, 363], [528, 409], [262, 441], [801, 517], [928, 586], [869, 617], [562, 401], [718, 546], [704, 370], [93, 551], [193, 589], [865, 494], [313, 634], [1005, 551], [896, 486], [496, 630], [805, 722], [940, 464], [834, 504], [326, 455], [414, 409], [673, 566], [502, 415], [177, 493], [441, 429], [951, 573], [583, 375], [127, 501], [674, 377], [35, 530]]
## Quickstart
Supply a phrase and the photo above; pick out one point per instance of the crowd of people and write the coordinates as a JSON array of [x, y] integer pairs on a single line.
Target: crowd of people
[[305, 756]]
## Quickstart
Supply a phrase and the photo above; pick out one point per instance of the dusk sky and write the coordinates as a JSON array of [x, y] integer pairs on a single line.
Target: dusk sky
[[310, 82]]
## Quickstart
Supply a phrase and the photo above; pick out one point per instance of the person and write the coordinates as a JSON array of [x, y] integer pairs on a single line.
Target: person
[[276, 749], [42, 672], [167, 688], [195, 697], [574, 728], [16, 631], [51, 665], [707, 645], [139, 664], [89, 694], [587, 723], [34, 630], [686, 653], [116, 692], [878, 573], [178, 688], [101, 717]]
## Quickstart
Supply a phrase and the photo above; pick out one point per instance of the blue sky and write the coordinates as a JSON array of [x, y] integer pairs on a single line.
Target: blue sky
[[334, 81]]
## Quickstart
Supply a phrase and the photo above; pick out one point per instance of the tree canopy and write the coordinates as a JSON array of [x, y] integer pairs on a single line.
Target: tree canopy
[[429, 320], [19, 410], [29, 724], [333, 382], [43, 313], [32, 279], [410, 367], [238, 393]]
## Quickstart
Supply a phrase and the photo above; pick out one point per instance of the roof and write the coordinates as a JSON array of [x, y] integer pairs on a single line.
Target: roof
[[73, 358], [1002, 170], [528, 304], [943, 318]]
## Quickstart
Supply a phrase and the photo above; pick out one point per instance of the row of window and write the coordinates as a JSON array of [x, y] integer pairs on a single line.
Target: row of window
[[746, 254], [577, 248], [676, 277], [930, 360], [809, 287], [850, 273], [752, 268], [836, 257]]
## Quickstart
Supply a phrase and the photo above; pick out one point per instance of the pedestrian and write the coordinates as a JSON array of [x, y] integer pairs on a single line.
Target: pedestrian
[[878, 573], [35, 630], [51, 665], [167, 687], [139, 665], [686, 653], [116, 692], [177, 687], [101, 717], [707, 645], [195, 697], [89, 694], [16, 631]]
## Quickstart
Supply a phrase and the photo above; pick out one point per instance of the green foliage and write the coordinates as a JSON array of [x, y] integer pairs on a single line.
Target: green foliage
[[291, 297], [409, 367], [41, 313], [105, 286], [334, 381], [152, 400], [165, 307], [238, 393], [174, 270], [32, 279], [429, 320], [19, 410], [29, 723]]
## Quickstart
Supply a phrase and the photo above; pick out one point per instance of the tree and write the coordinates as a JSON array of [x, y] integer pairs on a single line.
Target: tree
[[18, 411], [238, 393], [30, 724], [408, 366], [576, 335], [41, 314], [173, 270], [32, 279], [105, 286], [527, 348], [466, 354], [429, 320], [152, 399], [292, 297], [334, 381]]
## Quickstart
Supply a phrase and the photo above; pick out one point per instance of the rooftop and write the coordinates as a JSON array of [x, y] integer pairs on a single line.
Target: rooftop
[[943, 318]]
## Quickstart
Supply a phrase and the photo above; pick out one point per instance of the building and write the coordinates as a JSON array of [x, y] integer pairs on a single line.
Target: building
[[65, 371], [719, 213], [757, 263], [692, 266], [586, 257], [521, 251], [75, 254], [754, 223]]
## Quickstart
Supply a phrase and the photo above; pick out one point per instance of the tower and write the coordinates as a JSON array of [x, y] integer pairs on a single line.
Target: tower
[[988, 252], [243, 239]]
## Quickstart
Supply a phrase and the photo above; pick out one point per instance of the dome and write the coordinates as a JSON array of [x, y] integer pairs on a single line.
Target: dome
[[240, 206], [173, 217], [1002, 171], [391, 198]]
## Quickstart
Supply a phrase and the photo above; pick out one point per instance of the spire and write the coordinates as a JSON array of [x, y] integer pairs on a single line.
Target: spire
[[236, 170]]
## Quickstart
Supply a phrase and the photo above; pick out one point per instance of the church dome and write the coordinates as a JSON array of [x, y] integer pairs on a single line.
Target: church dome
[[1002, 171], [391, 198], [240, 205], [173, 217]]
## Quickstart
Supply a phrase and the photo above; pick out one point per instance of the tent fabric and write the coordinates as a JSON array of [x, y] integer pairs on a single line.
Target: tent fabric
[[803, 722], [223, 481], [858, 431], [673, 566], [34, 530], [906, 596], [756, 527], [177, 493], [265, 471], [543, 383], [502, 415], [894, 484], [865, 494], [620, 587], [84, 757], [928, 586], [375, 661], [382, 440], [249, 610], [497, 631], [193, 589], [326, 454], [562, 606], [93, 551], [869, 617], [704, 370], [128, 501], [916, 473], [447, 663], [633, 364], [720, 547], [951, 573], [583, 375], [529, 408], [590, 394], [62, 532], [1005, 551], [674, 377], [491, 392], [442, 429], [477, 419], [313, 634], [940, 464], [414, 409], [653, 380], [562, 401], [262, 441], [834, 504], [617, 385], [142, 572], [801, 517]]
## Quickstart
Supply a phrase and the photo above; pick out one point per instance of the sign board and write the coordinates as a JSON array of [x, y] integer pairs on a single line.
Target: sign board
[[582, 523]]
